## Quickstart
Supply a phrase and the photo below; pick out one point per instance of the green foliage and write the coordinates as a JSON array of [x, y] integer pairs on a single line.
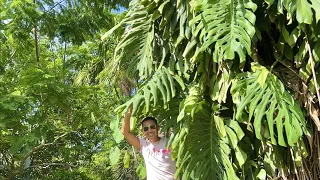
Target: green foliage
[[235, 81], [241, 72], [141, 171], [266, 99], [199, 135], [305, 12], [114, 155], [160, 90], [52, 121], [225, 26], [65, 175]]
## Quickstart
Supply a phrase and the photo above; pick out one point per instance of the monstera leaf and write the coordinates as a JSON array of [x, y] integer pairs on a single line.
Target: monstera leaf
[[175, 44], [160, 90], [201, 147], [228, 25], [135, 48], [303, 9], [271, 108]]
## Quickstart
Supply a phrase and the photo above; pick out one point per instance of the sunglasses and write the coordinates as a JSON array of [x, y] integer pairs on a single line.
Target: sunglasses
[[146, 128]]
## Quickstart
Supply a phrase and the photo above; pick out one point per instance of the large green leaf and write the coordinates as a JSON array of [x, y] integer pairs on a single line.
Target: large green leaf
[[141, 171], [220, 86], [160, 90], [305, 11], [271, 107], [226, 25], [114, 126], [155, 36], [200, 151], [135, 48], [114, 155]]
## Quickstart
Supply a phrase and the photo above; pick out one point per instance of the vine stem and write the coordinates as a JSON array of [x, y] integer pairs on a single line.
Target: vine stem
[[294, 164], [312, 67], [135, 156], [273, 65], [276, 55]]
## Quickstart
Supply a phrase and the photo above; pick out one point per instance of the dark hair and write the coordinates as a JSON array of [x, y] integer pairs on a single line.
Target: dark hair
[[149, 118]]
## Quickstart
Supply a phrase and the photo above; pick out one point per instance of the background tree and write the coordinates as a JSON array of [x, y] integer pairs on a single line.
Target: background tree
[[52, 119], [237, 81]]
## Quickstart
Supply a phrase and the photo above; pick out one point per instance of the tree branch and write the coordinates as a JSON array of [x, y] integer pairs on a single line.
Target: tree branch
[[36, 41], [46, 165], [33, 150], [64, 55], [55, 5], [37, 148]]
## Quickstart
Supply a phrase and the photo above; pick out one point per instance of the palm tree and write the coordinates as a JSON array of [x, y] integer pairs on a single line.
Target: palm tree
[[237, 81]]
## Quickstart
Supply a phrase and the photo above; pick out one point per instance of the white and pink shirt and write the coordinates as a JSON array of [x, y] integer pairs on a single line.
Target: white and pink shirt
[[158, 160]]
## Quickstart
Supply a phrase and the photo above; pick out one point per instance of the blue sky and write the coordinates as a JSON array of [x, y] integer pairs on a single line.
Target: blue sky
[[121, 9]]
